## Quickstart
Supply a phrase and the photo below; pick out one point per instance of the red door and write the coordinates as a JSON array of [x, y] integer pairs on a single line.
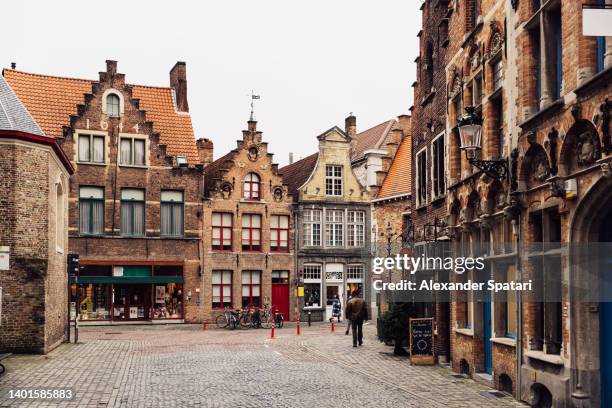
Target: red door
[[280, 298]]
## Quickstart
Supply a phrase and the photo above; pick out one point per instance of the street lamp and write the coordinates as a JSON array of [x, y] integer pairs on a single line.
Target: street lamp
[[470, 133]]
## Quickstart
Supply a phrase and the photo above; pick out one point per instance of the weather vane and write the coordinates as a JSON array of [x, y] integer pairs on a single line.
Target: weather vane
[[253, 97]]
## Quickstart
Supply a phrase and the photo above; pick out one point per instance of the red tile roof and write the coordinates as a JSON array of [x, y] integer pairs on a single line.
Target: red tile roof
[[296, 174], [51, 100], [398, 180], [373, 138]]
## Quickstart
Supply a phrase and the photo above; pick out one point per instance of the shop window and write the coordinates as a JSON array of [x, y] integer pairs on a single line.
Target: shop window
[[91, 211], [356, 228], [251, 232], [168, 301], [251, 288], [312, 285], [132, 151], [312, 228], [280, 277], [438, 157], [94, 301], [91, 149], [252, 187], [334, 228], [59, 217], [112, 105], [279, 233], [221, 289], [132, 212], [333, 180], [132, 302], [421, 168], [222, 231], [172, 213]]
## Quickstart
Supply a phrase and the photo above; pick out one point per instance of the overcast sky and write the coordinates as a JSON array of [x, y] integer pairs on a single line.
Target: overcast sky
[[312, 62]]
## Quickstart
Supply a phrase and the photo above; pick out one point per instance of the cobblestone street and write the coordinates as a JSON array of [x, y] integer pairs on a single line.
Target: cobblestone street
[[180, 366]]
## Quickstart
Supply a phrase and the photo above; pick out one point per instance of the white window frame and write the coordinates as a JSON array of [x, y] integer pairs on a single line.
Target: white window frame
[[350, 275], [333, 178], [433, 166], [318, 280], [420, 201], [121, 101], [352, 236], [133, 137], [333, 237], [308, 239], [91, 133]]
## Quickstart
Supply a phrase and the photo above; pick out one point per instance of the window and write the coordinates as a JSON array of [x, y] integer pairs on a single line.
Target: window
[[498, 74], [132, 212], [91, 149], [222, 231], [356, 228], [458, 105], [548, 49], [221, 289], [279, 233], [280, 277], [472, 17], [312, 285], [354, 272], [172, 210], [251, 288], [601, 46], [251, 187], [510, 305], [437, 147], [333, 180], [498, 112], [312, 228], [477, 91], [112, 105], [59, 217], [334, 225], [251, 232], [421, 177], [91, 210], [132, 152]]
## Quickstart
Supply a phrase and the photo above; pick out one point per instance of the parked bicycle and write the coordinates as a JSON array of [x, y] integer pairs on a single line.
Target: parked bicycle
[[232, 319]]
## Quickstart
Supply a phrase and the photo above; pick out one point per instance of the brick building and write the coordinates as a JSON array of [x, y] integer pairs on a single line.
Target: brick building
[[33, 231], [333, 223], [391, 203], [135, 200], [563, 189], [248, 231], [428, 164], [481, 73]]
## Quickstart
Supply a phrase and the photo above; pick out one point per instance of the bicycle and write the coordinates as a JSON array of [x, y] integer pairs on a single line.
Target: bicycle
[[229, 319]]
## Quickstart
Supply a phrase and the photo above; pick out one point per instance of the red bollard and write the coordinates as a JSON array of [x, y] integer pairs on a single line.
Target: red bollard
[[332, 326], [297, 328], [272, 332], [204, 325]]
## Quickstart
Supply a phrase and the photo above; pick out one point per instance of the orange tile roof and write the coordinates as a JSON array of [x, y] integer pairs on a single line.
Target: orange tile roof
[[398, 180], [51, 100]]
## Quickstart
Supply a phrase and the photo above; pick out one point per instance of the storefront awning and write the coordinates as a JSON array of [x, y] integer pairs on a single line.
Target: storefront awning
[[128, 280]]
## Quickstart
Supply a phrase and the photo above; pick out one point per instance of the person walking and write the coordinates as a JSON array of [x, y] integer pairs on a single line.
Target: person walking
[[357, 313], [337, 309]]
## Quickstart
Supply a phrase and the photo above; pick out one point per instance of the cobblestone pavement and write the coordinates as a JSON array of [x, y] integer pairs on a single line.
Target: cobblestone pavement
[[182, 366]]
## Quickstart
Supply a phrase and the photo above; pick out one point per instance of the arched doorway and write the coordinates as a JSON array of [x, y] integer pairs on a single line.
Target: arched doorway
[[591, 237]]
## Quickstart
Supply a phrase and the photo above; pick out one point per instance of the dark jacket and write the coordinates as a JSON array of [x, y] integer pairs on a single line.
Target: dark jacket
[[356, 309], [337, 308]]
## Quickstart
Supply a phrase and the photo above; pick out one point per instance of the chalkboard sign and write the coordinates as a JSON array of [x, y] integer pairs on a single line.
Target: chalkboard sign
[[422, 341]]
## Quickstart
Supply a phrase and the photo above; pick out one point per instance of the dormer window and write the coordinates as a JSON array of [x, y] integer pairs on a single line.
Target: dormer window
[[112, 105], [251, 187], [181, 161]]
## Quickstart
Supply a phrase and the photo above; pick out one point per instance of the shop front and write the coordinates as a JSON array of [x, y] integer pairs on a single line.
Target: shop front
[[128, 293]]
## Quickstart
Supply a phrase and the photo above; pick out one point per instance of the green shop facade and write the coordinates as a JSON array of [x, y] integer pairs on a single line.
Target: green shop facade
[[128, 292]]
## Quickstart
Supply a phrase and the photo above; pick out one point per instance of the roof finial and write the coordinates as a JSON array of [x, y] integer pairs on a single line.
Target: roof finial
[[253, 97]]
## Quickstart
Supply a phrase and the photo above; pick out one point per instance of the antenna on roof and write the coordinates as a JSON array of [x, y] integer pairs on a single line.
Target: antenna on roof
[[253, 97]]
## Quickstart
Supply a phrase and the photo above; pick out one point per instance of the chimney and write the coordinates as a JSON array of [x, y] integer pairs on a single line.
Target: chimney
[[111, 67], [13, 65], [205, 150], [290, 157], [178, 82], [350, 125]]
